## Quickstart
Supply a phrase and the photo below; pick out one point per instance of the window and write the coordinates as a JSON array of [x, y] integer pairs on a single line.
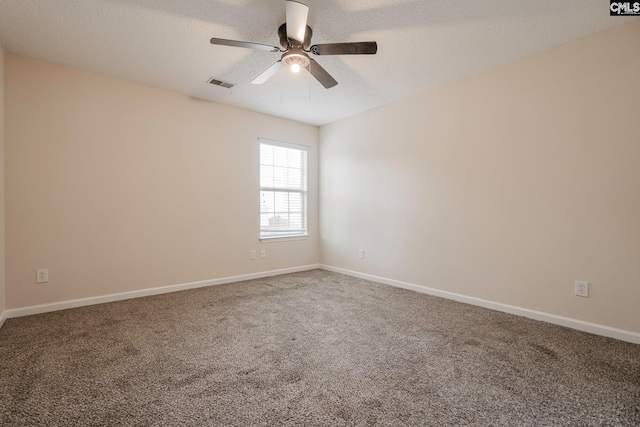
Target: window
[[283, 190]]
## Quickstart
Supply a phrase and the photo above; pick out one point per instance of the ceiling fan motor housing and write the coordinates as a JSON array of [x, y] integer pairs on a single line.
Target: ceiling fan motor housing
[[286, 43]]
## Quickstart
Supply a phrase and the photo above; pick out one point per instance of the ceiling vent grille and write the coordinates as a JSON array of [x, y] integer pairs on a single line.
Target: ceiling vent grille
[[220, 83]]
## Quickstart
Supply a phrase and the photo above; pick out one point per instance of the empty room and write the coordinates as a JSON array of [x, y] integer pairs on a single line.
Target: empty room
[[319, 213]]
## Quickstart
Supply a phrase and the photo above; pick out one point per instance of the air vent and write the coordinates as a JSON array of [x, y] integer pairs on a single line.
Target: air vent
[[221, 83]]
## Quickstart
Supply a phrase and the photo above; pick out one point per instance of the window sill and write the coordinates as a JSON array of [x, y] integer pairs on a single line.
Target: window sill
[[283, 238]]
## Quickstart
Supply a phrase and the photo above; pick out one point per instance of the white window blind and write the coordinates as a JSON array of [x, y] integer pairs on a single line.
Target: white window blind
[[283, 189]]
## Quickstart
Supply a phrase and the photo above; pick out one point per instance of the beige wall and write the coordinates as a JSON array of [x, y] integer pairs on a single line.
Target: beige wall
[[115, 186], [507, 186], [2, 282]]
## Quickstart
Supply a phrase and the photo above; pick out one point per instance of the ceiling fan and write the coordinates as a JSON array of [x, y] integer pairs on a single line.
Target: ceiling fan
[[295, 39]]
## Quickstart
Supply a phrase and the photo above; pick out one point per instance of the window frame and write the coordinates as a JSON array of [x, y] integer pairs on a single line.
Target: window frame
[[303, 190]]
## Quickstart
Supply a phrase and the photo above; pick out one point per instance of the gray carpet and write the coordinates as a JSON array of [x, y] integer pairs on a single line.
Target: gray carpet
[[313, 348]]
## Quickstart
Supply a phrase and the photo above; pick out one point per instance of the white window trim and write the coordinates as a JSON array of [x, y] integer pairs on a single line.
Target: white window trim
[[291, 237], [284, 144], [283, 238]]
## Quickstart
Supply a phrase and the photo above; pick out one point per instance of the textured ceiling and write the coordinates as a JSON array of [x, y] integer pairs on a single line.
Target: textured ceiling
[[421, 44]]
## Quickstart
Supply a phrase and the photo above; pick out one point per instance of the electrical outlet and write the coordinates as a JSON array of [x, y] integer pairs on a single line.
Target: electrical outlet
[[42, 276], [361, 254], [263, 253], [252, 254], [582, 288]]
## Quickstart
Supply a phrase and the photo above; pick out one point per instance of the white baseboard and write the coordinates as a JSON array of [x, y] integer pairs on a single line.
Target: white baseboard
[[63, 305], [594, 328], [580, 325], [3, 317]]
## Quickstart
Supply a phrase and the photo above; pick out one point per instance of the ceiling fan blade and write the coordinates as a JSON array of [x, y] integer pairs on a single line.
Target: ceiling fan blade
[[356, 48], [268, 73], [235, 43], [297, 14], [321, 74]]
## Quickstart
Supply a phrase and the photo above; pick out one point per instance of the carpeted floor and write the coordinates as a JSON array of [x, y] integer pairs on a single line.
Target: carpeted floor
[[313, 348]]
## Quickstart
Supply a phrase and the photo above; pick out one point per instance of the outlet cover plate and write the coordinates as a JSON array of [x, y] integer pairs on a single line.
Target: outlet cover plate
[[42, 276], [582, 288]]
